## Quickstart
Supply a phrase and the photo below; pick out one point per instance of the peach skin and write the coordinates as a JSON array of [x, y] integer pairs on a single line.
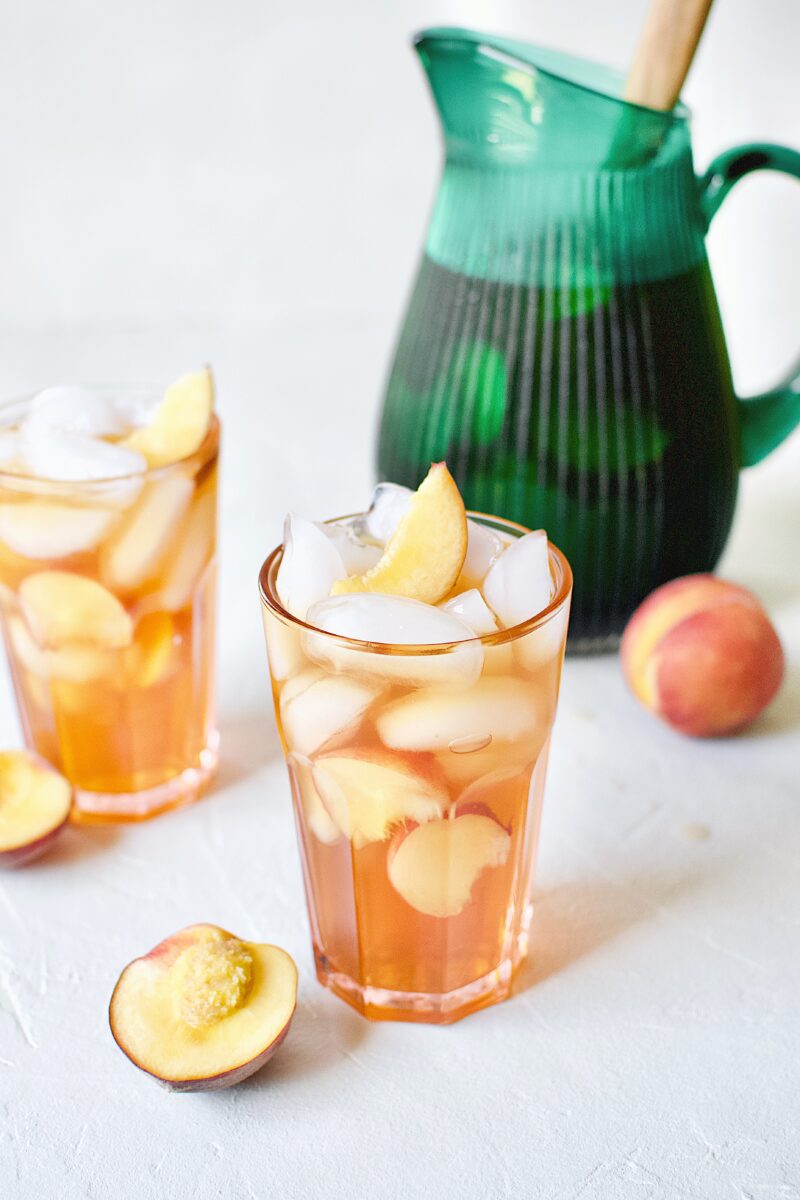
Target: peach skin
[[703, 655]]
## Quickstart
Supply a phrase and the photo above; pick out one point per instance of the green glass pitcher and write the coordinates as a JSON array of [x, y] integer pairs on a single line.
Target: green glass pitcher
[[562, 347]]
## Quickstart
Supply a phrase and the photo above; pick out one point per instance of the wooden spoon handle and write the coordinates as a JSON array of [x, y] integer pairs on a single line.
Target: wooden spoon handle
[[666, 48]]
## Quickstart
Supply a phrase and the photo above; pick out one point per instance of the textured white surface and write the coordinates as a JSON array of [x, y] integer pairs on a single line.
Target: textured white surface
[[248, 185]]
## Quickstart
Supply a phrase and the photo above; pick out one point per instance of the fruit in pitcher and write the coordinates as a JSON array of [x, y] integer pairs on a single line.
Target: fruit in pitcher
[[435, 866], [203, 1010], [35, 803], [180, 423], [703, 655], [424, 556]]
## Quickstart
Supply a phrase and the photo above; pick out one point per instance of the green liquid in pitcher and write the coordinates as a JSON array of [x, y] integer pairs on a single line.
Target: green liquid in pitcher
[[602, 413]]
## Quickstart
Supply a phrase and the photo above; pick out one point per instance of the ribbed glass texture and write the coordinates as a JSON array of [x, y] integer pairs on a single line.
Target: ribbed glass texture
[[562, 347]]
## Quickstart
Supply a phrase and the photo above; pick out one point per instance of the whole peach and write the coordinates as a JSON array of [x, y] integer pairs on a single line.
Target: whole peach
[[703, 655]]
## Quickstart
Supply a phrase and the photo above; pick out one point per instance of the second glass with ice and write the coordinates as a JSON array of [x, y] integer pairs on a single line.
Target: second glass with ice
[[415, 655]]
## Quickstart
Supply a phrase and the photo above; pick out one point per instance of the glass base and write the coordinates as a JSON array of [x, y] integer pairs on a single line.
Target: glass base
[[102, 808], [444, 1008]]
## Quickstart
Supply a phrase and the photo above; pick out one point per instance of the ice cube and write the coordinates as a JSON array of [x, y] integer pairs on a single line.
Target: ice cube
[[484, 547], [544, 643], [310, 566], [393, 620], [519, 584], [308, 801], [75, 410], [358, 556], [137, 406], [314, 707], [75, 457], [137, 551], [42, 530], [389, 504], [472, 609], [505, 710], [284, 651], [10, 446]]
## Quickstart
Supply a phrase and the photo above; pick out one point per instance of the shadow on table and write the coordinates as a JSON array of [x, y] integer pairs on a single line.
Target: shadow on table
[[248, 741], [573, 920], [783, 713], [75, 844], [323, 1032]]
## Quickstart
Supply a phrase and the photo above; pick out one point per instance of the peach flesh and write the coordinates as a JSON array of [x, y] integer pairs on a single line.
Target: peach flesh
[[203, 1010], [702, 654], [35, 803]]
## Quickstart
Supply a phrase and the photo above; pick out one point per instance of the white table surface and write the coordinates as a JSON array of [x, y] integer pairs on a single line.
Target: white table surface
[[652, 1048]]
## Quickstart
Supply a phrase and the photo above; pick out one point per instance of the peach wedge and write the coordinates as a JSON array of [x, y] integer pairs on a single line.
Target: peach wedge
[[435, 866], [203, 1010], [179, 425], [35, 803], [424, 556]]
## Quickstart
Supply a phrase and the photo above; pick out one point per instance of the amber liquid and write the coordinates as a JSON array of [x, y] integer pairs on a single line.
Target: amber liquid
[[373, 947], [132, 727]]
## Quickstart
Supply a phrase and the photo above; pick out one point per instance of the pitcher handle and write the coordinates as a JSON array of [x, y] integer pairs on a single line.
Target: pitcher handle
[[765, 419]]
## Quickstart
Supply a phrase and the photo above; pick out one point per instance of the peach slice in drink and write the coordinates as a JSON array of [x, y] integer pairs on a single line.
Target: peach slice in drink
[[367, 795], [435, 866], [137, 550], [63, 608]]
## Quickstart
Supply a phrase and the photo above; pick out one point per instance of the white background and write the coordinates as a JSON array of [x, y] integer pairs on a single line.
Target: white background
[[248, 183]]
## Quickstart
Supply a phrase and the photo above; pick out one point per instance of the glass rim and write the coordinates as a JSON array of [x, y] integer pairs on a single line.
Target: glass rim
[[564, 581], [502, 45], [26, 481]]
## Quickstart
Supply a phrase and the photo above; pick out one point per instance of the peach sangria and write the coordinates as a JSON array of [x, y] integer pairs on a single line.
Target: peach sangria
[[415, 652], [107, 582]]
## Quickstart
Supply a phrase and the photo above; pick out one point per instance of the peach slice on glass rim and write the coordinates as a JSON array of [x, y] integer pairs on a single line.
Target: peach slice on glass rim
[[424, 555], [35, 803], [203, 1010], [435, 866], [367, 795], [181, 422]]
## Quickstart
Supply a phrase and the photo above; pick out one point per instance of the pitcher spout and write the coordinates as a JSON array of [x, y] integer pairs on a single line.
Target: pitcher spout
[[511, 102]]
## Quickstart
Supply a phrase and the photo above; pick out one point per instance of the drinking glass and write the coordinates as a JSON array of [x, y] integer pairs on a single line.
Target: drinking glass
[[417, 775]]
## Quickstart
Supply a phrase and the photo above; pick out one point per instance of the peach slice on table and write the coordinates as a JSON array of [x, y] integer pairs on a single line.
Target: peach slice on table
[[181, 422], [35, 803], [62, 608], [435, 866], [367, 795], [703, 655], [204, 1009], [424, 555]]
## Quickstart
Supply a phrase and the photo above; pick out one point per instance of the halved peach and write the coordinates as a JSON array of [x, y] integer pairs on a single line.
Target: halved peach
[[203, 1010], [424, 556], [35, 803], [180, 423], [435, 866], [367, 795]]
